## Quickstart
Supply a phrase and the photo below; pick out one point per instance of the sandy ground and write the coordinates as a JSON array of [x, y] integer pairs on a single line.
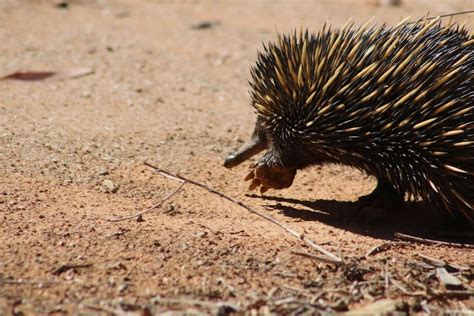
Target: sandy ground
[[72, 153]]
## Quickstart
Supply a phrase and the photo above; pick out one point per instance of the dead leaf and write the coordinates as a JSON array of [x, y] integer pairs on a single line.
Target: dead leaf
[[48, 75], [205, 25], [447, 279], [381, 307]]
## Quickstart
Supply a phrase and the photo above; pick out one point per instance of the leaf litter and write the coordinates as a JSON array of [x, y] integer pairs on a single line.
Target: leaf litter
[[48, 75]]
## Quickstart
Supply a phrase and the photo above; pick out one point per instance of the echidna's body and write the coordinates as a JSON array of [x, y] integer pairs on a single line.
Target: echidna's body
[[396, 102]]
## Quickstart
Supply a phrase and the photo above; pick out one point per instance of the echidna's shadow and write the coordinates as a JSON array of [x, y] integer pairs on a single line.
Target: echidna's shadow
[[411, 218]]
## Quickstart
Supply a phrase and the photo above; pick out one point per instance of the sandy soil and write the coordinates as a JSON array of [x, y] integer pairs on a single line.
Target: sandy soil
[[72, 153]]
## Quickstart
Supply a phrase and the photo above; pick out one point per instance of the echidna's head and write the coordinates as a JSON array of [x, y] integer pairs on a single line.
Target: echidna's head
[[258, 142], [268, 172], [282, 88]]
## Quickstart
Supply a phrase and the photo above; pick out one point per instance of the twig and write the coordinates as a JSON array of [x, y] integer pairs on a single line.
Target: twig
[[432, 261], [441, 16], [151, 208], [341, 290], [272, 292], [452, 14], [67, 267], [303, 291], [384, 246], [314, 257], [27, 282], [459, 294], [399, 286], [289, 230], [287, 300], [378, 248], [186, 301], [431, 241], [113, 311]]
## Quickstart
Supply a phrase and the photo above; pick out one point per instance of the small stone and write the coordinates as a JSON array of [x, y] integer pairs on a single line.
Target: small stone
[[122, 287], [122, 14], [201, 234], [103, 172], [204, 25], [110, 186], [61, 4]]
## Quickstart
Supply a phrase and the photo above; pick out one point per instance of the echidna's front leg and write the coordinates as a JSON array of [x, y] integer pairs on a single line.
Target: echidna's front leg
[[384, 196], [267, 177]]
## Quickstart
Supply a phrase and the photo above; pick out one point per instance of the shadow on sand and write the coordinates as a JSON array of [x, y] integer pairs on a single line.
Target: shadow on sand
[[415, 218]]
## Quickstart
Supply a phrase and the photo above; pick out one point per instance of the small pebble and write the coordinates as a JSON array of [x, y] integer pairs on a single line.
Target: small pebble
[[103, 172], [110, 186]]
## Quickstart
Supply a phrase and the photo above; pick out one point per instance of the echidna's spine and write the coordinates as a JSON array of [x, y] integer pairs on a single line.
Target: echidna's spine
[[397, 102]]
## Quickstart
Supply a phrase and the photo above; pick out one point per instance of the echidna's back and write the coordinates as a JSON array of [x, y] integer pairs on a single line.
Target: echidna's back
[[397, 102]]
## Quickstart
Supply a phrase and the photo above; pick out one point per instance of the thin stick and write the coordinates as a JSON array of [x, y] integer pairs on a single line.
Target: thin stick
[[151, 208], [186, 301], [399, 286], [432, 261], [431, 241], [453, 293], [303, 291], [109, 310], [444, 16], [378, 248], [27, 282], [314, 257], [67, 267], [289, 230], [452, 14], [384, 246]]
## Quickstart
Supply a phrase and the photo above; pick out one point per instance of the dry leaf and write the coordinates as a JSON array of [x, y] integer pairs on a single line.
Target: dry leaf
[[381, 307], [48, 75], [447, 279]]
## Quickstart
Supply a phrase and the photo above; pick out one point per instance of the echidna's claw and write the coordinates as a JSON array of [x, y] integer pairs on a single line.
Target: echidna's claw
[[255, 184], [250, 176], [270, 177], [263, 189]]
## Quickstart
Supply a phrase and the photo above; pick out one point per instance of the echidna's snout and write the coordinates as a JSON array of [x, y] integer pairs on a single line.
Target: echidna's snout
[[257, 143], [250, 149]]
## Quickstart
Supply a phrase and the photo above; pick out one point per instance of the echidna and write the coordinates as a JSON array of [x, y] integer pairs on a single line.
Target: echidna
[[396, 102]]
